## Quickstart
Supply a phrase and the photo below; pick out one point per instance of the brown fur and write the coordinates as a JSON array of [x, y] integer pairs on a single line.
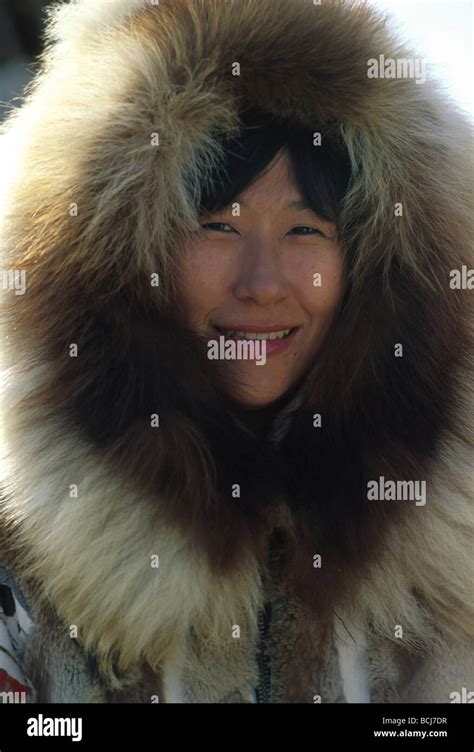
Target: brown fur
[[83, 136]]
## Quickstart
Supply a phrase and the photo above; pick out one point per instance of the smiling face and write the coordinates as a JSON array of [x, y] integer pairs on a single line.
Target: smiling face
[[257, 276]]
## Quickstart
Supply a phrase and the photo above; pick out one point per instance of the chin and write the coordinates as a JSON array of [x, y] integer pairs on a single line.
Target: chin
[[256, 399], [255, 404]]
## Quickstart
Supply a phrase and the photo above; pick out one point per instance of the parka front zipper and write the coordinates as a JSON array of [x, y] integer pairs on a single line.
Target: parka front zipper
[[262, 692]]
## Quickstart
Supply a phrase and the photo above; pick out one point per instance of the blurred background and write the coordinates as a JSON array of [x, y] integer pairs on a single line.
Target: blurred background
[[442, 31], [21, 24]]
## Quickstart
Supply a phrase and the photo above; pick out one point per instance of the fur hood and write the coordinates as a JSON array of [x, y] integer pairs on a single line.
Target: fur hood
[[92, 493]]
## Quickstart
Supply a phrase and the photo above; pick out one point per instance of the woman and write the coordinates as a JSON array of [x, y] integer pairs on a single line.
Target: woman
[[236, 427]]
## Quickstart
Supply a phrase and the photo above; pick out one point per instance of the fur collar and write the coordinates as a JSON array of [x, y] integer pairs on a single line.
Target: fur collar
[[85, 421]]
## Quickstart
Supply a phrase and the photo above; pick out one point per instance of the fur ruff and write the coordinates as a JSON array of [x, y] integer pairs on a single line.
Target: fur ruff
[[111, 76]]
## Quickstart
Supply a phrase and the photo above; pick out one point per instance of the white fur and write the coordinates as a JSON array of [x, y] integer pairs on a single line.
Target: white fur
[[351, 647]]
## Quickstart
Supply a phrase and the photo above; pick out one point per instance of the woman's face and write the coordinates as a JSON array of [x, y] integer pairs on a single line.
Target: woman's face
[[255, 276]]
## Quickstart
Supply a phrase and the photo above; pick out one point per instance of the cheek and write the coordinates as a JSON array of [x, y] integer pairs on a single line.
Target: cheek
[[319, 281], [201, 283]]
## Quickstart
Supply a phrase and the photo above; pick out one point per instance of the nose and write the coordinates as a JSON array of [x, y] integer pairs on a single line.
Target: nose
[[260, 278]]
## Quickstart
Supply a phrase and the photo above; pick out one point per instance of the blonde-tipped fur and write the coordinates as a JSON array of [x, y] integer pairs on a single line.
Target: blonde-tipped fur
[[113, 76]]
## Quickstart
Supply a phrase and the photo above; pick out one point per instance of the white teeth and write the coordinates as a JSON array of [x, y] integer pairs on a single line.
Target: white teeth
[[257, 335]]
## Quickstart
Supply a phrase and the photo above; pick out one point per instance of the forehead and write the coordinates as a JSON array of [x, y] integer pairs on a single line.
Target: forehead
[[276, 188]]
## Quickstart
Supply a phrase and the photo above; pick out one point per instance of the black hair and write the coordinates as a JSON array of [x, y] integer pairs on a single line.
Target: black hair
[[322, 172]]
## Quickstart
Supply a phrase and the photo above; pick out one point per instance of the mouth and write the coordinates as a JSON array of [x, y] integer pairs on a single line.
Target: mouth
[[268, 333]]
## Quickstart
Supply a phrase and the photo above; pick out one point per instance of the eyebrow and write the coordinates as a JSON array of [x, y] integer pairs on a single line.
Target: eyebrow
[[299, 204]]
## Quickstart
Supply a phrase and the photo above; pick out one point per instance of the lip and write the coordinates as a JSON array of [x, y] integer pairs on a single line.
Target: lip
[[272, 346], [257, 328]]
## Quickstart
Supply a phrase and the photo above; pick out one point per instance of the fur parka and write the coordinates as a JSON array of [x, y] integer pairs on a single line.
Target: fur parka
[[143, 577]]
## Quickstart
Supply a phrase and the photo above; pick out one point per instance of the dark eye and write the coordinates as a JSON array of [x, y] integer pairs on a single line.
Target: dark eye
[[217, 226], [304, 228]]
